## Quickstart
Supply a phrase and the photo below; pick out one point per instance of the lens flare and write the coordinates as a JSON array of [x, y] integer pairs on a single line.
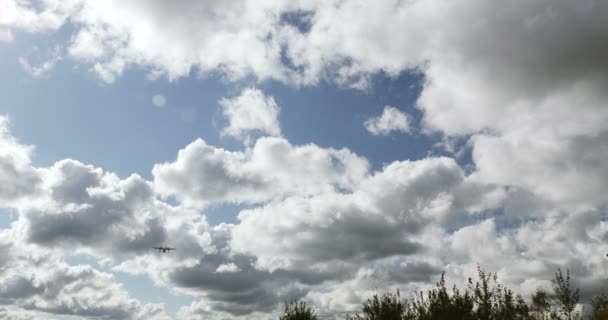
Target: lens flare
[[159, 100], [108, 78]]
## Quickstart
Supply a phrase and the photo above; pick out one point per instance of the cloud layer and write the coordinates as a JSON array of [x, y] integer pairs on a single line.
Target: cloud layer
[[522, 84], [331, 235]]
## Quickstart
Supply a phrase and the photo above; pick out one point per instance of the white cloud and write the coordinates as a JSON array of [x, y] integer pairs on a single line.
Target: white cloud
[[228, 267], [229, 36], [272, 169], [23, 14], [42, 68], [249, 112], [527, 256], [390, 120], [237, 38], [37, 71]]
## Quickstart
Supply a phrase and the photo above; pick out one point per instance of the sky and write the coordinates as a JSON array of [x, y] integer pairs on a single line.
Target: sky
[[314, 150]]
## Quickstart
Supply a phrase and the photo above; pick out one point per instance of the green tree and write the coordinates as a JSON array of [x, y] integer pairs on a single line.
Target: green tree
[[541, 305], [599, 306], [389, 306], [565, 297], [484, 299], [298, 310], [493, 301], [508, 306], [440, 304]]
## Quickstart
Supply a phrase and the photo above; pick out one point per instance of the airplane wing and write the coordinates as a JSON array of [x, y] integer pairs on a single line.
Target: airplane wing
[[170, 248]]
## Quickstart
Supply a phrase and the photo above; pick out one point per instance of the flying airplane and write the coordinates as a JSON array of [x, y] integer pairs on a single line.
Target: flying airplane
[[163, 249]]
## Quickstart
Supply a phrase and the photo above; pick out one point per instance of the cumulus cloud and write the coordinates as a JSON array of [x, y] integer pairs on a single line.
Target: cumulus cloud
[[534, 250], [18, 178], [381, 219], [333, 225], [88, 211], [98, 211], [273, 168], [333, 233], [36, 281], [317, 195], [390, 120], [251, 111]]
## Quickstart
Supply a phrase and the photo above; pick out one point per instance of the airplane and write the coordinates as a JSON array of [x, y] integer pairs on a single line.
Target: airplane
[[163, 249]]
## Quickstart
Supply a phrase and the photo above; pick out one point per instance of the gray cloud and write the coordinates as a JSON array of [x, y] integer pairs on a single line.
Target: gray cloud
[[381, 219], [72, 181], [16, 182], [18, 178], [572, 172], [38, 282], [95, 210], [413, 272], [12, 313]]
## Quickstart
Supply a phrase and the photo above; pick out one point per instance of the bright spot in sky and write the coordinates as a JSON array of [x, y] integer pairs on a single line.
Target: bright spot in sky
[[108, 78], [159, 100]]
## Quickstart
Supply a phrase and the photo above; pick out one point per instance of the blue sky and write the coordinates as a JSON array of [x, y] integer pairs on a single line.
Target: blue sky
[[313, 151], [121, 118]]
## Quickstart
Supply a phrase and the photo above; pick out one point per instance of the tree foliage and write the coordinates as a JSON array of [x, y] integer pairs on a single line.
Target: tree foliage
[[483, 299], [298, 310], [389, 306], [599, 306], [567, 298]]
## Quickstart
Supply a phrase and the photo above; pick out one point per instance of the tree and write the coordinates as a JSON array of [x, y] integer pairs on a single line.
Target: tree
[[599, 306], [494, 301], [541, 305], [298, 310], [566, 298], [484, 299], [439, 304], [389, 306]]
